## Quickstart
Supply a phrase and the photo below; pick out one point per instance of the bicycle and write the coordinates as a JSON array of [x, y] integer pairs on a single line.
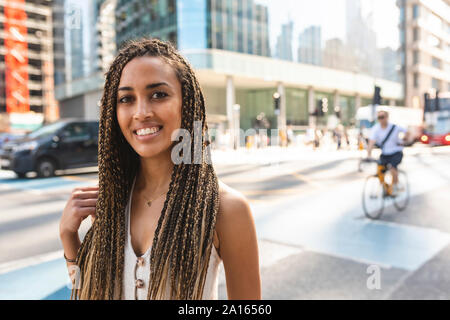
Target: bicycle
[[379, 187]]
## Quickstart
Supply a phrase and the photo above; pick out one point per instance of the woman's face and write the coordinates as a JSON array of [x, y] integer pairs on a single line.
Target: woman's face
[[149, 105]]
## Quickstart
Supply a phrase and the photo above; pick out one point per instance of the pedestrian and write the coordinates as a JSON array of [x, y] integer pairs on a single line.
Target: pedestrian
[[160, 229], [290, 135]]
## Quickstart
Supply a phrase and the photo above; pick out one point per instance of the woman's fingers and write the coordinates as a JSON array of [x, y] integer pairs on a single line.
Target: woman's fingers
[[88, 202], [85, 195], [85, 188], [84, 212]]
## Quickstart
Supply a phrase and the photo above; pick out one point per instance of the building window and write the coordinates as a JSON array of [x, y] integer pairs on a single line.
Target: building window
[[436, 63], [416, 80], [435, 83], [415, 11], [415, 57], [416, 34]]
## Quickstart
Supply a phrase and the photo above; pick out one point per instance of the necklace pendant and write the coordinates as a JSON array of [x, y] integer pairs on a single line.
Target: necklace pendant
[[149, 203]]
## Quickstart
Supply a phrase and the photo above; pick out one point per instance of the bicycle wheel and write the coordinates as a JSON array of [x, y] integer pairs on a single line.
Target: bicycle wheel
[[402, 198], [373, 198]]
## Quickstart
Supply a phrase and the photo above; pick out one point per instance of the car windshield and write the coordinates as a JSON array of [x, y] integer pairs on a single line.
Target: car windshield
[[46, 130]]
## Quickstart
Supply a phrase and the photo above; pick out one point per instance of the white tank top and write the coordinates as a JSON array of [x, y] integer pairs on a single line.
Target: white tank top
[[210, 291]]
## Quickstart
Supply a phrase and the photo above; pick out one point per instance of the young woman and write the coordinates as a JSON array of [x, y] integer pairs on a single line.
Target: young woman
[[160, 229]]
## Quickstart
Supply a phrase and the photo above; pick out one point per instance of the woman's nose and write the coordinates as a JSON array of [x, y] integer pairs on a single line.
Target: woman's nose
[[143, 109]]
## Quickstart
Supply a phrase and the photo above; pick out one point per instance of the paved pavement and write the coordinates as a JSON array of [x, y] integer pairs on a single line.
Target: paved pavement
[[314, 240]]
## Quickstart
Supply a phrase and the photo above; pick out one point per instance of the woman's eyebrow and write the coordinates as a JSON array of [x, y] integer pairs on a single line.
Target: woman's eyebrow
[[149, 86], [154, 85]]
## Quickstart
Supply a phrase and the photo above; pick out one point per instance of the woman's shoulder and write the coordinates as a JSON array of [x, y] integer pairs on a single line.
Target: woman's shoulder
[[234, 212], [232, 203]]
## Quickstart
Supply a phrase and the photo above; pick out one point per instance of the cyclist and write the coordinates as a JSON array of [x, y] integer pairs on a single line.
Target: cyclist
[[386, 135]]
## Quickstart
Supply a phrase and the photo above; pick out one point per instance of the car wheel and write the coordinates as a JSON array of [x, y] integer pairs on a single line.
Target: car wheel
[[46, 168], [21, 175]]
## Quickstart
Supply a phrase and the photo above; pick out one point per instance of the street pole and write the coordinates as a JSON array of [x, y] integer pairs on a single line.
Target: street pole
[[236, 135]]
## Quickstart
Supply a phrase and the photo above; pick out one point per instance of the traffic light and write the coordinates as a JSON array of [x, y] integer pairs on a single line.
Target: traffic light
[[319, 109], [337, 112], [377, 96], [322, 107], [276, 102]]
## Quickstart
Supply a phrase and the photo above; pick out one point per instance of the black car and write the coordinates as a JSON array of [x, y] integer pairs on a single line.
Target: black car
[[65, 144]]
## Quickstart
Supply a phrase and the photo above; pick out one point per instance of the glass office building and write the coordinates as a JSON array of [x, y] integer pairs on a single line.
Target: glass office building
[[240, 26]]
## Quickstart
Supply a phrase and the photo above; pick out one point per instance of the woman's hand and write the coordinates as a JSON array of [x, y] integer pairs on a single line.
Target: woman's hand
[[80, 205]]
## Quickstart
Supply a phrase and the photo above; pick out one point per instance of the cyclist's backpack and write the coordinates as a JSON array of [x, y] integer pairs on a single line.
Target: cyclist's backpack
[[386, 138]]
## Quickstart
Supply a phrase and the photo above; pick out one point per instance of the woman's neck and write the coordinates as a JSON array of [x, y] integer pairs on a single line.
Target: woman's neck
[[154, 174]]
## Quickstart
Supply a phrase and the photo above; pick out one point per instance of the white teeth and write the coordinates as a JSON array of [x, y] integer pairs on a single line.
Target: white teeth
[[147, 131]]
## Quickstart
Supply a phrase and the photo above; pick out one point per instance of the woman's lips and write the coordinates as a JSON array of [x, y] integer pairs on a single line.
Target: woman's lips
[[147, 137]]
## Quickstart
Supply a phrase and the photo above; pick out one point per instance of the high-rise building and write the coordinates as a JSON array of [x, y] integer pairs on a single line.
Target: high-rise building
[[106, 31], [361, 38], [310, 46], [26, 57], [284, 42], [338, 55], [240, 26], [81, 39], [425, 48], [390, 65], [58, 42]]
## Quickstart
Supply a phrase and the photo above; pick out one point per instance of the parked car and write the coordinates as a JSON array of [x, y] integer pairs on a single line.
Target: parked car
[[10, 136], [65, 144]]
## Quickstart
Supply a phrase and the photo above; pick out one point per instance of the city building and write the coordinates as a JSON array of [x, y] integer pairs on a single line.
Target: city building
[[310, 46], [361, 39], [390, 64], [81, 38], [26, 57], [238, 79], [338, 55], [106, 32], [80, 94], [425, 48], [59, 60], [284, 42]]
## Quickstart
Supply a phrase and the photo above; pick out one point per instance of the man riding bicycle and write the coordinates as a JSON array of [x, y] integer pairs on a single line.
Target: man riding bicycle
[[386, 135]]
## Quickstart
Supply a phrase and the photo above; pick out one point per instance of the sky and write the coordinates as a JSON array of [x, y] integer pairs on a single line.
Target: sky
[[330, 14]]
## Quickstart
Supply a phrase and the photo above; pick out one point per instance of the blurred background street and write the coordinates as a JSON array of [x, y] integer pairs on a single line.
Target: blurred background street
[[314, 240]]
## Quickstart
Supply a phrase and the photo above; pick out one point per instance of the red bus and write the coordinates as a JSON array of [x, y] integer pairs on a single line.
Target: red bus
[[437, 122]]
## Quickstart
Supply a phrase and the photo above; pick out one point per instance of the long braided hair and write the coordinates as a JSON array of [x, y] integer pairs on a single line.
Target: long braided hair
[[183, 238]]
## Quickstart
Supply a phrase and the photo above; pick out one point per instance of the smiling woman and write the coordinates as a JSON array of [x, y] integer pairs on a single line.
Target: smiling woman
[[160, 230]]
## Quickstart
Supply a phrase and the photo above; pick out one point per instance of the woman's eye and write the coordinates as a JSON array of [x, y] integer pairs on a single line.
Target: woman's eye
[[125, 99], [159, 95]]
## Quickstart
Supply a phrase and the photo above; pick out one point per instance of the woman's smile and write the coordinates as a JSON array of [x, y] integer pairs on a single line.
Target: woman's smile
[[147, 133]]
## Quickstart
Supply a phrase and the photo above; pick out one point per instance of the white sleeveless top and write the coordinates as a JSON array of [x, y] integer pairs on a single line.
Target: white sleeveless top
[[210, 291]]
